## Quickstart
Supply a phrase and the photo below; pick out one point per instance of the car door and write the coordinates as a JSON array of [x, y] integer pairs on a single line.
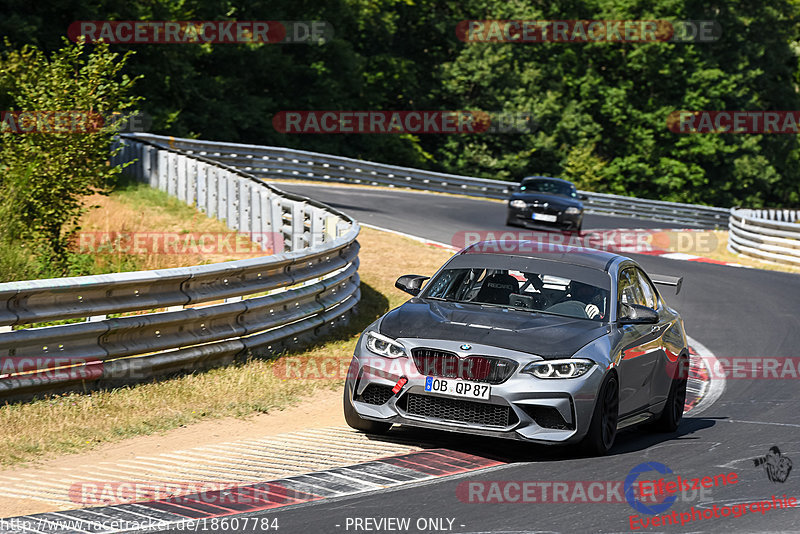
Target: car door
[[641, 347], [663, 371]]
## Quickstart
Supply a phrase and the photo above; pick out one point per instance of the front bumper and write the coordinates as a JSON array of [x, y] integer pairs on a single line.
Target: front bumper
[[564, 221], [522, 407]]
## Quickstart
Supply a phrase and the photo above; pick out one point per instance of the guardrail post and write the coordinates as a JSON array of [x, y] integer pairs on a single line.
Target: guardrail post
[[298, 225], [181, 184], [172, 174], [150, 162], [317, 236], [331, 223], [202, 186], [138, 169], [222, 195], [163, 170], [245, 222], [256, 226], [271, 241], [212, 201], [276, 217], [123, 153], [115, 144], [191, 181], [233, 201]]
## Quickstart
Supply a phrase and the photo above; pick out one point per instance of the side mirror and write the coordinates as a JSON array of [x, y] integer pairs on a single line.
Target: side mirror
[[410, 283], [581, 196], [637, 314]]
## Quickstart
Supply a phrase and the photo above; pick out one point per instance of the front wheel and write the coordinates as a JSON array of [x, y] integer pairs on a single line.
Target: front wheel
[[603, 428], [671, 417], [354, 420]]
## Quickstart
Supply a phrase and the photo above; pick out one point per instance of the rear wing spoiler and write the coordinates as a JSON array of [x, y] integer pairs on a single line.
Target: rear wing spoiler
[[665, 280]]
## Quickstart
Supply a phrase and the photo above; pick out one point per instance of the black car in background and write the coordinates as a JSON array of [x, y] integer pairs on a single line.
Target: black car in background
[[546, 203]]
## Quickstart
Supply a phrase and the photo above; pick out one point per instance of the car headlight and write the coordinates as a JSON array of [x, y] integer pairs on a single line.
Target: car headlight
[[572, 210], [558, 368], [384, 346], [517, 204]]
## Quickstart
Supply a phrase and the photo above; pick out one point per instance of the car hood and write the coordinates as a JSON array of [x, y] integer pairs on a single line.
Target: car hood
[[556, 201], [548, 336]]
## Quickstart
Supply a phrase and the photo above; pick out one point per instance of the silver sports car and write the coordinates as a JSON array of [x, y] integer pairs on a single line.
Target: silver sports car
[[513, 340]]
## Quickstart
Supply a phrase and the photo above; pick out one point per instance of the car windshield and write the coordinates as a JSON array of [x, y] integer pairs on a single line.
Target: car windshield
[[522, 290], [548, 186]]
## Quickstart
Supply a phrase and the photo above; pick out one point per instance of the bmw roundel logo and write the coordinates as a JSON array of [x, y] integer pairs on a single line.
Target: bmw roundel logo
[[466, 346]]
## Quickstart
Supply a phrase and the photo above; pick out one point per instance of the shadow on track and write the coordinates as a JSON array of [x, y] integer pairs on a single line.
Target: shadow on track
[[628, 441]]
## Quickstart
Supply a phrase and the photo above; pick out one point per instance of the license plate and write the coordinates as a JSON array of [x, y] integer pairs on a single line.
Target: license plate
[[458, 388], [544, 217]]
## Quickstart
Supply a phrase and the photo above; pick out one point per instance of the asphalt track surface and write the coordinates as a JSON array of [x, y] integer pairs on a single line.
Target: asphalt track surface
[[734, 312]]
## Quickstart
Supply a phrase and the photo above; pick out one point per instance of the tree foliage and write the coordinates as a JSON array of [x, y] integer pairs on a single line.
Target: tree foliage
[[48, 173], [600, 108]]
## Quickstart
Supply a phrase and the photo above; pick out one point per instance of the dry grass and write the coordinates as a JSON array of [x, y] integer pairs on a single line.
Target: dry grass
[[172, 233], [77, 422]]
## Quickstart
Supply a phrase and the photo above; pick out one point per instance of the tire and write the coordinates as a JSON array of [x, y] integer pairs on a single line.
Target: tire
[[509, 222], [672, 414], [355, 421], [572, 229], [603, 428]]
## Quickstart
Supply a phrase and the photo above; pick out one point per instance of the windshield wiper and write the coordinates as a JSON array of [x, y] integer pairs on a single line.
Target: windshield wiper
[[504, 306], [515, 308]]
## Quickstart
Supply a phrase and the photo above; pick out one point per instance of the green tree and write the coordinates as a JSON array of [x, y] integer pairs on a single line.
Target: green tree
[[47, 173]]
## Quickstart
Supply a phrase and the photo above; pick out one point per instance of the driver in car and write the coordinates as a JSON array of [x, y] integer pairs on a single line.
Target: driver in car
[[588, 295]]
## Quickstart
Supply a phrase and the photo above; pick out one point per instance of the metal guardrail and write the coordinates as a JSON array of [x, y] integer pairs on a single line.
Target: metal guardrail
[[204, 315], [285, 163], [771, 235]]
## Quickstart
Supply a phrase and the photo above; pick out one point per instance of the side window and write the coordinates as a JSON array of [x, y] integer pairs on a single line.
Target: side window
[[648, 293], [628, 288]]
